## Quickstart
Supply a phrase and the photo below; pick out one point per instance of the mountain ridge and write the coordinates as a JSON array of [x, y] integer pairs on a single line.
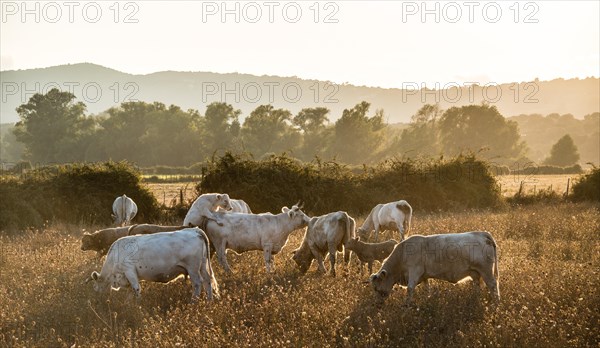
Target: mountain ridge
[[102, 87]]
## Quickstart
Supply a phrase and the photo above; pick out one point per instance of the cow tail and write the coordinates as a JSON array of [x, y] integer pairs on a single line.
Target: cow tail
[[496, 272], [213, 281], [350, 231], [123, 209], [350, 227]]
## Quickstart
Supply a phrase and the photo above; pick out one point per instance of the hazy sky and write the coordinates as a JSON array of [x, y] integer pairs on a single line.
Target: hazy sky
[[365, 43]]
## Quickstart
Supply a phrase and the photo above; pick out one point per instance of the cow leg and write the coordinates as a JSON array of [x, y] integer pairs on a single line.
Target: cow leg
[[196, 280], [346, 256], [267, 249], [319, 257], [222, 257], [332, 254], [376, 232], [414, 278], [492, 284], [476, 280], [206, 278], [134, 283]]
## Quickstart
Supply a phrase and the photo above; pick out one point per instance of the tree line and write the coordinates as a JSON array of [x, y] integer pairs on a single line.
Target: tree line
[[55, 128]]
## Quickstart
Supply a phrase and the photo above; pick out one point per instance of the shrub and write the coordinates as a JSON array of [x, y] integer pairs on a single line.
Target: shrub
[[72, 193], [544, 195], [270, 183], [587, 187]]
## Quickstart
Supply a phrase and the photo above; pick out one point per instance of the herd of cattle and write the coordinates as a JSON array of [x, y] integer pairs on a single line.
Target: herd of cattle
[[216, 223]]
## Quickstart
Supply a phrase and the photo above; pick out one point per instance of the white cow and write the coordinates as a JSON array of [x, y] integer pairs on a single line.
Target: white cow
[[393, 216], [124, 210], [451, 257], [238, 206], [204, 208], [327, 233], [159, 257], [246, 232]]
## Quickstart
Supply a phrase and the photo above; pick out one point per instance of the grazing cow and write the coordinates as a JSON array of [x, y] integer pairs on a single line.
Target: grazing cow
[[204, 208], [327, 233], [238, 206], [150, 229], [246, 232], [124, 210], [369, 252], [159, 257], [451, 257], [393, 216], [101, 241]]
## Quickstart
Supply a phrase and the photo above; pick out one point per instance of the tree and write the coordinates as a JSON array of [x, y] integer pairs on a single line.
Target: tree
[[149, 134], [221, 126], [480, 127], [311, 122], [53, 127], [356, 135], [267, 130], [564, 153], [421, 137]]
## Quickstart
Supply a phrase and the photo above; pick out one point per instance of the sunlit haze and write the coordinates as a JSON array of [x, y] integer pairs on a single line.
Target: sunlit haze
[[375, 44]]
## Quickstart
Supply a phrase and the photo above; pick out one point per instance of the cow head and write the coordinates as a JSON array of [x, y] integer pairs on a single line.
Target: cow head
[[303, 258], [297, 215], [89, 242], [352, 243], [100, 284], [382, 283], [104, 284], [223, 202], [363, 233]]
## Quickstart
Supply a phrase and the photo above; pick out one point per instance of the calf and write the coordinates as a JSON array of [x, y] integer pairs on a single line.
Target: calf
[[159, 257], [327, 233], [101, 240], [369, 252], [204, 208], [451, 257], [392, 216]]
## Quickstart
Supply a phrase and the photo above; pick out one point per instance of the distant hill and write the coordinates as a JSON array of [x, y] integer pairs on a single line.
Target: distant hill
[[101, 88]]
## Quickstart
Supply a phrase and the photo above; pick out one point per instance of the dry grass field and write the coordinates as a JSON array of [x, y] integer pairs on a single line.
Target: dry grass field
[[167, 192], [532, 183], [549, 260]]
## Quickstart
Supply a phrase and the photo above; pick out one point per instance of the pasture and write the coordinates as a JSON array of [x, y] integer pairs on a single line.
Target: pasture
[[549, 258], [510, 183]]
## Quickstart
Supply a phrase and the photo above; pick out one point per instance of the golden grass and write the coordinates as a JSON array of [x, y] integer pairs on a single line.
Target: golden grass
[[165, 193], [533, 183], [549, 281]]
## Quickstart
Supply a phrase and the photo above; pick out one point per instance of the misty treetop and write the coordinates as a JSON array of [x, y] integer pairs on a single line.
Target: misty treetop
[[55, 128]]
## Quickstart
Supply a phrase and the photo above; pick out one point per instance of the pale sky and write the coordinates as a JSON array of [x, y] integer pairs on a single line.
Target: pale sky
[[374, 43]]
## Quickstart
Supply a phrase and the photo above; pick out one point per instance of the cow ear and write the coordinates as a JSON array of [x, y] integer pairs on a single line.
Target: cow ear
[[95, 275], [383, 274], [218, 196], [285, 209]]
